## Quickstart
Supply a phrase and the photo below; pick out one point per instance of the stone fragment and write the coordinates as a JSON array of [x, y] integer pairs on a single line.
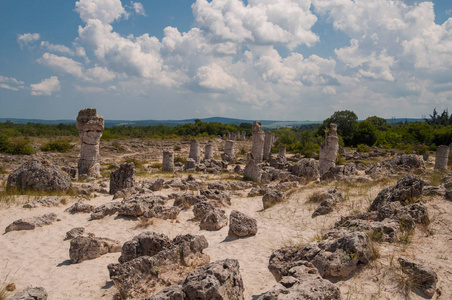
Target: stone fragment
[[31, 223], [74, 232], [190, 165], [44, 202], [122, 178], [84, 248], [79, 207], [104, 210], [90, 127], [145, 244], [241, 225], [442, 157], [39, 175], [272, 197], [214, 220], [328, 150], [201, 208], [307, 169], [173, 292], [221, 197], [168, 161], [327, 205], [162, 212], [424, 278], [30, 293], [257, 149]]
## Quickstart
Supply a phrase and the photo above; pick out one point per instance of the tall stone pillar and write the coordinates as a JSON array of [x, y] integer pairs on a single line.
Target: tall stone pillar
[[243, 136], [208, 152], [329, 150], [253, 170], [282, 151], [257, 150], [268, 142], [228, 154], [168, 161], [442, 155], [194, 151], [90, 126]]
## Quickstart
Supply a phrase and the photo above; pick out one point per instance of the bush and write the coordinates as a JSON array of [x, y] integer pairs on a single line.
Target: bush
[[180, 159], [17, 146], [362, 148], [156, 165], [62, 146], [177, 148]]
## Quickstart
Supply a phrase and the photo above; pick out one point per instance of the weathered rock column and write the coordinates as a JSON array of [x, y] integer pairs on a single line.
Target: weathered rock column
[[282, 151], [90, 126], [194, 151], [243, 136], [122, 178], [228, 154], [257, 150], [442, 155], [268, 143], [329, 150], [208, 151], [253, 170], [168, 161]]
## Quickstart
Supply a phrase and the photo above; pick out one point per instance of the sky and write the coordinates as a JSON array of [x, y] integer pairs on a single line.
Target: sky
[[257, 59]]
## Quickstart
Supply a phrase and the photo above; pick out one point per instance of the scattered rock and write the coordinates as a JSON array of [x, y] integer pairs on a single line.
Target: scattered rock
[[84, 248], [144, 244], [272, 197], [122, 178], [74, 232], [104, 210], [326, 206], [424, 278], [214, 220], [30, 293], [201, 208], [31, 223], [79, 207], [307, 169], [241, 225]]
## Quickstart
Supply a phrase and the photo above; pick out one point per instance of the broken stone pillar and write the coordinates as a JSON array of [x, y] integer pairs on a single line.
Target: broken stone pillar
[[253, 170], [208, 152], [268, 142], [122, 178], [228, 154], [90, 126], [282, 151], [168, 161], [442, 155], [329, 150], [257, 150], [194, 151], [243, 136]]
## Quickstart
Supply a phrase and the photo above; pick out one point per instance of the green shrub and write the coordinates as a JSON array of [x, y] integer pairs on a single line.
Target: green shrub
[[180, 159], [62, 145], [156, 165], [422, 149], [17, 146], [177, 148], [362, 148]]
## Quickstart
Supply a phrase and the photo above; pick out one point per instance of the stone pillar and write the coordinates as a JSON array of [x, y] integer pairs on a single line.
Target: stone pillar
[[194, 151], [442, 155], [228, 154], [257, 150], [282, 151], [122, 178], [208, 152], [253, 170], [329, 150], [268, 142], [168, 161], [243, 136], [90, 126]]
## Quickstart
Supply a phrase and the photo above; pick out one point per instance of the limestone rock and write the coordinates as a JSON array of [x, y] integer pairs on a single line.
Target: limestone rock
[[137, 205], [442, 157], [257, 148], [339, 172], [30, 293], [104, 210], [194, 151], [253, 170], [74, 232], [425, 278], [144, 244], [241, 225], [39, 175], [122, 178], [328, 150], [84, 248], [44, 202], [168, 161], [173, 292], [307, 169], [327, 205], [79, 207], [272, 197], [31, 223], [221, 197], [200, 209], [214, 220]]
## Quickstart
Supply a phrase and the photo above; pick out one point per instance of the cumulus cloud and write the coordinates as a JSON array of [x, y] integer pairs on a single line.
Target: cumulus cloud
[[215, 78], [45, 87], [138, 8], [28, 38], [105, 11], [10, 83], [56, 48], [62, 64]]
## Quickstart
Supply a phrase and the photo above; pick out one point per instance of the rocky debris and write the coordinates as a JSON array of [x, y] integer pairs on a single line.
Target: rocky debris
[[220, 197], [339, 172], [271, 174], [39, 175], [30, 293], [162, 212], [257, 191], [173, 292], [434, 191], [328, 150], [104, 210], [339, 256], [145, 244], [79, 207], [229, 185], [424, 278], [214, 220], [187, 200], [74, 232], [272, 197], [72, 171], [241, 225], [84, 248], [405, 163], [331, 198], [122, 178], [307, 169], [137, 205], [217, 280], [278, 162], [90, 126], [155, 185], [190, 165], [213, 166], [408, 188], [253, 169], [442, 157], [44, 202], [258, 138], [302, 281], [201, 208], [141, 276], [31, 223], [168, 161]]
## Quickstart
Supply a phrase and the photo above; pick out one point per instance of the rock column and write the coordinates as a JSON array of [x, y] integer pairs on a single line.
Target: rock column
[[253, 170], [168, 161], [329, 150], [268, 142], [282, 151], [442, 155], [194, 151], [243, 136], [122, 178], [257, 150], [208, 152], [90, 126], [228, 154]]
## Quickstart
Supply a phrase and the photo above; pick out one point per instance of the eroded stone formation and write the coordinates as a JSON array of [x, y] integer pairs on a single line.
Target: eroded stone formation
[[122, 178], [168, 161], [208, 152], [329, 150], [90, 126], [268, 143], [228, 154], [194, 151], [257, 149], [253, 170], [442, 155], [282, 151]]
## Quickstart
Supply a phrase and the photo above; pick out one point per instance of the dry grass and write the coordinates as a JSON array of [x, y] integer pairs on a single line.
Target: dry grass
[[144, 222]]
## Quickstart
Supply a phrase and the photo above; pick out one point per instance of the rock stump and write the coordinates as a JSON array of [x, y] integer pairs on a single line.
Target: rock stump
[[168, 161], [442, 155], [329, 150], [257, 150]]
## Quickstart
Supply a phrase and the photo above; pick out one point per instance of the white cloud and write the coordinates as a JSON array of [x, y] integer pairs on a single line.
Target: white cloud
[[104, 10], [45, 87], [11, 83], [215, 78], [89, 89], [62, 64], [56, 48], [100, 74], [27, 38], [138, 8]]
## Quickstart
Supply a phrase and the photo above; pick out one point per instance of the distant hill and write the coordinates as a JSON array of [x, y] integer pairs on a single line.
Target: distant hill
[[268, 124]]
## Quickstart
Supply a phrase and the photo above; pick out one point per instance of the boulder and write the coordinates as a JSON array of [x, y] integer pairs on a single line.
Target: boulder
[[31, 223], [162, 212], [272, 197], [173, 292], [104, 210], [326, 206], [79, 207], [241, 225], [44, 202], [137, 205], [307, 169], [122, 178], [84, 248], [39, 175], [144, 244], [214, 220], [221, 197], [424, 278], [30, 293], [74, 232], [201, 208]]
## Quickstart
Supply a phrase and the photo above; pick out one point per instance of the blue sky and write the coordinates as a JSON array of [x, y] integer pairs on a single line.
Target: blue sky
[[255, 59]]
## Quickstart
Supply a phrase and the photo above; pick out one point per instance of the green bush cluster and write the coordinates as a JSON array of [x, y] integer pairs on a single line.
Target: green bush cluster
[[19, 145], [61, 145]]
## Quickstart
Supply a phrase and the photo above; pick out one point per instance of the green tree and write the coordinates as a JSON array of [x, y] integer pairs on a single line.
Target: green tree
[[347, 122], [379, 123], [365, 133]]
